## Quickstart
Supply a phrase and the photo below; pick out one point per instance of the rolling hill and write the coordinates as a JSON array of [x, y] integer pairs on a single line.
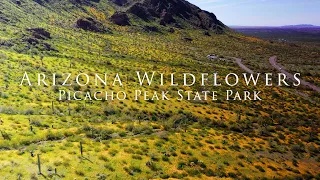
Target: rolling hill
[[148, 139]]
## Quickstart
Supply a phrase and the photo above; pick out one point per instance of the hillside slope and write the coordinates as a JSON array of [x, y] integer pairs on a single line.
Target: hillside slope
[[277, 137]]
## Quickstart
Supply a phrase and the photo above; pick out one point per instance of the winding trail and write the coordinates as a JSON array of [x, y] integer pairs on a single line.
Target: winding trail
[[273, 62], [239, 62]]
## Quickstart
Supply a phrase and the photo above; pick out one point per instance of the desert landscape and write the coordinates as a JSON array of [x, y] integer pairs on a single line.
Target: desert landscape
[[44, 137]]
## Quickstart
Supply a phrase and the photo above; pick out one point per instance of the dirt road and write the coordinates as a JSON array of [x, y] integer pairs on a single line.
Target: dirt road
[[273, 62], [239, 62]]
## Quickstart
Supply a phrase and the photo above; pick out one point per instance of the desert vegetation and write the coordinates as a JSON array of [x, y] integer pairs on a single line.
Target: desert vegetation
[[274, 138]]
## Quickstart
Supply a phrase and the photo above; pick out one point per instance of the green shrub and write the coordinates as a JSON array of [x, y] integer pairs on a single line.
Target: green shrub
[[232, 175], [36, 123], [136, 157], [182, 151], [259, 168], [272, 168], [193, 172], [76, 87], [130, 127], [101, 176], [226, 163], [122, 134], [295, 162], [29, 112], [79, 173], [241, 156], [221, 173], [209, 172], [165, 158], [5, 135], [113, 152], [53, 136], [128, 150], [181, 165], [240, 164], [108, 111], [164, 176], [135, 169], [154, 157], [142, 130], [152, 165], [297, 149], [204, 154], [164, 135], [109, 167], [103, 158], [158, 143], [57, 163]]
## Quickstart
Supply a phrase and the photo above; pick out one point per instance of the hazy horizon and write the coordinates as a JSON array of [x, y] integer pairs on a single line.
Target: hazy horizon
[[263, 12], [230, 25]]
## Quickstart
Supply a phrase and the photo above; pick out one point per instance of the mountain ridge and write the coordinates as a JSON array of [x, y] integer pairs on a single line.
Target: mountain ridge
[[284, 26], [167, 11], [175, 13]]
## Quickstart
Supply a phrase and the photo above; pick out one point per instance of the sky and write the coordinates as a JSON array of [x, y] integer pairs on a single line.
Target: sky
[[263, 12]]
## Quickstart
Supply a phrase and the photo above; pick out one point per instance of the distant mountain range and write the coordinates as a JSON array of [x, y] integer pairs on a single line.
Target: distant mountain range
[[299, 26], [289, 33]]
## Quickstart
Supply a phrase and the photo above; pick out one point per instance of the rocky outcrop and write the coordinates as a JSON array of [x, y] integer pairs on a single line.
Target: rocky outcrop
[[18, 2], [39, 33], [208, 20], [31, 40], [167, 11], [119, 2], [179, 8], [90, 24], [166, 18], [6, 43], [74, 2], [206, 33], [150, 29], [47, 47], [41, 2], [140, 10], [36, 37], [120, 18], [171, 30], [85, 2]]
